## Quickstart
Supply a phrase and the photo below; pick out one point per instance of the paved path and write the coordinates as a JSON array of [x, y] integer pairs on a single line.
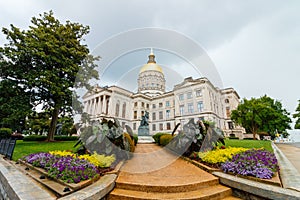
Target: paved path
[[292, 152], [155, 173]]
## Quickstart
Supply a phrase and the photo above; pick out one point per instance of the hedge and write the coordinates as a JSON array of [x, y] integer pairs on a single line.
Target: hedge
[[5, 132], [165, 139], [43, 138]]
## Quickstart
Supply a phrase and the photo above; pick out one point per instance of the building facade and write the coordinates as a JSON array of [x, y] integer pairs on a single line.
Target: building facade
[[192, 98]]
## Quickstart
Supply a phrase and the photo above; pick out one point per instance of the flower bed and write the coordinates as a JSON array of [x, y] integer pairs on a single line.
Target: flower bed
[[68, 167], [240, 161], [258, 163]]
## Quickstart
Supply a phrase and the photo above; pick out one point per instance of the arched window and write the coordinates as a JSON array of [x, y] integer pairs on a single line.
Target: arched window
[[117, 109], [123, 110]]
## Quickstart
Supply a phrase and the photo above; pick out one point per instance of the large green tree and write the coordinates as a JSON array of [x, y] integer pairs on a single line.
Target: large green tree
[[45, 59], [262, 114], [297, 116]]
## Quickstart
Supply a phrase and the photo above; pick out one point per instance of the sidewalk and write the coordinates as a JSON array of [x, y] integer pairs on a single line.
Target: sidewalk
[[288, 158], [292, 152]]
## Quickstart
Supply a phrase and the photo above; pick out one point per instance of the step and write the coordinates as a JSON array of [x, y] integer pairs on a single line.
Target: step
[[168, 185], [216, 192], [231, 198]]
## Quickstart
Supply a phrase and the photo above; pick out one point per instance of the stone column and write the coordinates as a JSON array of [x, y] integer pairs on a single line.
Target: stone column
[[95, 106], [88, 106], [99, 106], [104, 104]]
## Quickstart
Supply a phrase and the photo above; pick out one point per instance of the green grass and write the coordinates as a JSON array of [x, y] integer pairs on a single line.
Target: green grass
[[25, 148], [249, 144]]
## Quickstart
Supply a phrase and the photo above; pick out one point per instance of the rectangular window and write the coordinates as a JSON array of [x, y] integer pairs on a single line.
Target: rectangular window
[[160, 114], [190, 107], [200, 106], [228, 112], [153, 116], [161, 127], [167, 103], [135, 114], [181, 109], [160, 105], [189, 95], [153, 106], [168, 114], [143, 104], [198, 93], [135, 104], [153, 127], [147, 105], [168, 126], [181, 97], [134, 126], [142, 113]]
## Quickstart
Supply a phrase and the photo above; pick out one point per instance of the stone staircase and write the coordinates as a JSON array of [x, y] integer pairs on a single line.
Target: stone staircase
[[171, 178]]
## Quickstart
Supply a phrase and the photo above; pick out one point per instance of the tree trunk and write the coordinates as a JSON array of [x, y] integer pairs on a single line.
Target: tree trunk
[[53, 123]]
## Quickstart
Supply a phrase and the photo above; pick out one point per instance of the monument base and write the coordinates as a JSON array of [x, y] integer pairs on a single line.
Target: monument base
[[143, 131], [145, 140]]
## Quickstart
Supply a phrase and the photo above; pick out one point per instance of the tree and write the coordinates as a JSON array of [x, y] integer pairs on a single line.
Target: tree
[[45, 60], [297, 116], [14, 105], [261, 115]]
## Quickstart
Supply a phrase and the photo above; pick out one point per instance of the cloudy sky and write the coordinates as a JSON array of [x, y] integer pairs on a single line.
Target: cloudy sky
[[254, 45]]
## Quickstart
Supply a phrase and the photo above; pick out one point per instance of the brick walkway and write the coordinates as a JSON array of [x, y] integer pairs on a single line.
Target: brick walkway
[[154, 173]]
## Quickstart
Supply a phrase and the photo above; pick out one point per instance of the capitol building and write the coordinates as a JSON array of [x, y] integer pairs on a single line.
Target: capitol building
[[192, 98]]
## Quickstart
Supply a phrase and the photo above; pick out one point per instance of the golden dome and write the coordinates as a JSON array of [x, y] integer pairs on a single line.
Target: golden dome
[[151, 64]]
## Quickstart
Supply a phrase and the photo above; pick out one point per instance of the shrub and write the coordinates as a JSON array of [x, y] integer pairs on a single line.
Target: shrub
[[234, 138], [65, 138], [165, 139], [157, 136], [43, 138], [135, 139], [5, 132], [219, 156], [35, 138], [130, 142]]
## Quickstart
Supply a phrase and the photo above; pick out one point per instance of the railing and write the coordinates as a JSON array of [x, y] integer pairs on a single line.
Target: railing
[[7, 147]]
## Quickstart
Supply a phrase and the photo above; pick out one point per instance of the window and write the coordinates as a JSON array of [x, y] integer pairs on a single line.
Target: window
[[153, 127], [168, 114], [181, 97], [147, 105], [230, 125], [135, 104], [161, 127], [117, 109], [190, 107], [226, 100], [124, 110], [181, 109], [228, 112], [153, 116], [200, 106], [167, 103], [198, 93], [160, 114], [135, 114], [143, 104], [189, 95], [142, 113], [134, 126], [168, 126], [160, 105], [153, 106]]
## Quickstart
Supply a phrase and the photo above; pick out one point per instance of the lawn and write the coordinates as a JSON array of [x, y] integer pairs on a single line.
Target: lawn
[[25, 148], [249, 144]]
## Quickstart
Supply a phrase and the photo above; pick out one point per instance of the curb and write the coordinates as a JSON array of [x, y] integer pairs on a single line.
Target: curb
[[256, 188]]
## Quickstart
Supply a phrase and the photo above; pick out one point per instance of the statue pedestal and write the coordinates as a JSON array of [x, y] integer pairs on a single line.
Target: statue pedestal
[[145, 140], [143, 131]]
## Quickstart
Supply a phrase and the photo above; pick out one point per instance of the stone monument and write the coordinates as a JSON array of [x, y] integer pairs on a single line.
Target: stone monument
[[144, 126]]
